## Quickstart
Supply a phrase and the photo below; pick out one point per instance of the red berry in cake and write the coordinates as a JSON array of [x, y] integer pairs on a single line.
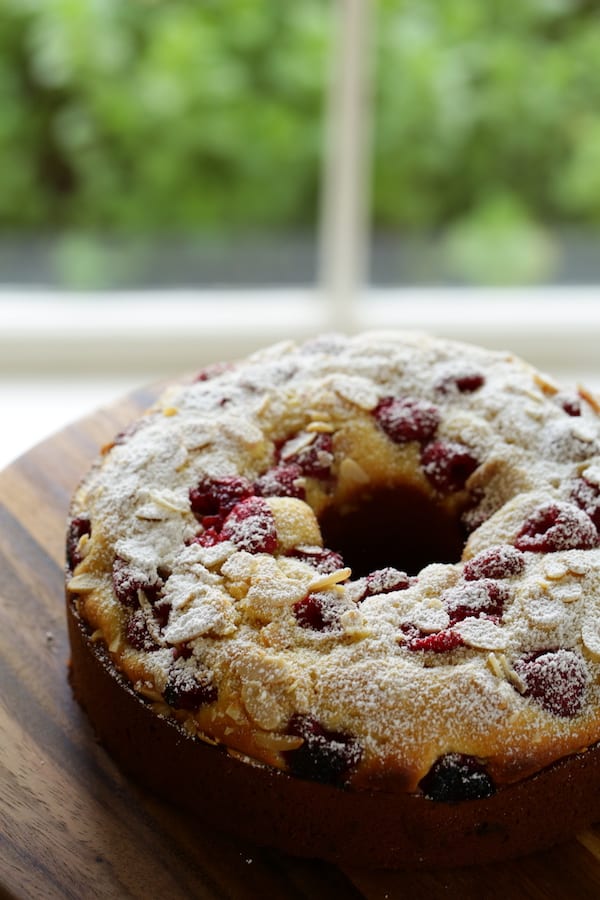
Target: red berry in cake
[[323, 560], [476, 598], [448, 465], [556, 679], [438, 642], [138, 634], [570, 404], [213, 371], [78, 527], [325, 756], [314, 459], [208, 538], [455, 777], [500, 561], [283, 481], [216, 497], [188, 688], [407, 419], [317, 612], [587, 497], [464, 383], [251, 526], [127, 581], [557, 526], [381, 581]]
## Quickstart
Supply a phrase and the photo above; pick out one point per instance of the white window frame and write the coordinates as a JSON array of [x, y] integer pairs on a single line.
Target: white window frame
[[166, 332]]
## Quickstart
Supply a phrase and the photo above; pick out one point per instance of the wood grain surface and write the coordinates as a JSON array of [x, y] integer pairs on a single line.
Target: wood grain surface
[[72, 826]]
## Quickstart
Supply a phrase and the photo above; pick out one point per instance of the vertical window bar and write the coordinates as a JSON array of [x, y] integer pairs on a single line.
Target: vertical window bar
[[344, 229]]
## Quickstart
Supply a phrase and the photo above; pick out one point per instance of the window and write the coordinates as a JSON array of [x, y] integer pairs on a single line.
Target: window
[[182, 182]]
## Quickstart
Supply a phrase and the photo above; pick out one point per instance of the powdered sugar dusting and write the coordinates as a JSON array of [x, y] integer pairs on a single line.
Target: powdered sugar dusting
[[488, 656]]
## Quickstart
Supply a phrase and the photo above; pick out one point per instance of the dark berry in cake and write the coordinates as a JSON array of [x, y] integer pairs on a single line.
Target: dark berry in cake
[[587, 497], [556, 679], [381, 581], [570, 404], [455, 777], [323, 560], [216, 497], [437, 642], [251, 526], [213, 371], [448, 465], [282, 481], [325, 756], [463, 383], [557, 526], [317, 612], [127, 581], [138, 633], [475, 598], [78, 527], [315, 459], [407, 419], [500, 561], [188, 688]]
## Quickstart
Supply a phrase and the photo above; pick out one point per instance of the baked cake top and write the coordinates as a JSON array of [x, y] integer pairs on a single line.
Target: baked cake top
[[360, 560]]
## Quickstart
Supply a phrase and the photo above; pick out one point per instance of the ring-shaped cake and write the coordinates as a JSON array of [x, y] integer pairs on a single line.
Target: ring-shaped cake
[[344, 598]]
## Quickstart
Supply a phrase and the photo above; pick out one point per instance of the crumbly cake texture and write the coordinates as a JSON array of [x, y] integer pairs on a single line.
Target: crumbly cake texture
[[371, 562]]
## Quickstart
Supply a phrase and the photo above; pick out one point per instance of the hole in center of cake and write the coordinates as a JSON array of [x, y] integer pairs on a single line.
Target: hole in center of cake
[[400, 527]]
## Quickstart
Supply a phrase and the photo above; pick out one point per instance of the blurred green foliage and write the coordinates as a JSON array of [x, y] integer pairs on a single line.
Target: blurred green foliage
[[146, 116], [142, 115]]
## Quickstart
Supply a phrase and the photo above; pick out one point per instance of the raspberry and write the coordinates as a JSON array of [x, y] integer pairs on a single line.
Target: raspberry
[[251, 526], [500, 561], [213, 371], [557, 526], [587, 497], [78, 527], [570, 404], [127, 581], [456, 777], [325, 756], [448, 464], [323, 560], [283, 481], [137, 632], [216, 497], [484, 597], [187, 688], [317, 612], [315, 460], [407, 419], [556, 679], [466, 383], [437, 642], [382, 581]]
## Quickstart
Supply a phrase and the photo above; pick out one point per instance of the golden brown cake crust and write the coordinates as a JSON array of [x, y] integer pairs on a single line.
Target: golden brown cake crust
[[366, 828], [369, 563]]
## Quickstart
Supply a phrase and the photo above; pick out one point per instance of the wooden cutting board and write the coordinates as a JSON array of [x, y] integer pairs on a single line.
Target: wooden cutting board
[[71, 826]]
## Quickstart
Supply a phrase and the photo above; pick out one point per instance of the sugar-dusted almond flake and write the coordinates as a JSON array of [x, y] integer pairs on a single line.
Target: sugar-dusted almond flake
[[495, 666], [569, 592], [482, 634], [590, 635], [554, 569], [82, 584], [543, 382], [279, 742], [326, 582], [320, 427], [589, 397], [351, 473]]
